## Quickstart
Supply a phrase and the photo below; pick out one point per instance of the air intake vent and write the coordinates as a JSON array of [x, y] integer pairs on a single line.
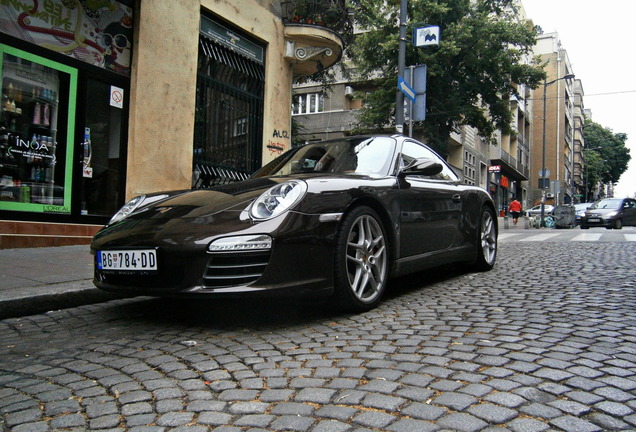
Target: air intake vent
[[232, 269]]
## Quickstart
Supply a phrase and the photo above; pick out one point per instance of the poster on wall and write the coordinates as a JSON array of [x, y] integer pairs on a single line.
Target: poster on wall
[[98, 32]]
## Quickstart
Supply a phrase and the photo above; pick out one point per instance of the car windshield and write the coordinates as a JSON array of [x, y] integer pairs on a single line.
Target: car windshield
[[369, 156], [607, 204]]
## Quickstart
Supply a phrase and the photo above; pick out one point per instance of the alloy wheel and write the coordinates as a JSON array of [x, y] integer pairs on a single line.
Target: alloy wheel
[[488, 238], [366, 259]]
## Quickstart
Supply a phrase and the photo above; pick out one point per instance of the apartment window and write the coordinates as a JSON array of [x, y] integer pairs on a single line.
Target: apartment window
[[308, 103], [470, 171]]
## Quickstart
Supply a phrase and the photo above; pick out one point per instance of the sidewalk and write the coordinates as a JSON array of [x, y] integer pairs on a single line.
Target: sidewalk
[[43, 279], [37, 280]]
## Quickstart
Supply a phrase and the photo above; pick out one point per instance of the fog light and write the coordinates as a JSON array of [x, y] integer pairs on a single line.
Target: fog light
[[241, 243]]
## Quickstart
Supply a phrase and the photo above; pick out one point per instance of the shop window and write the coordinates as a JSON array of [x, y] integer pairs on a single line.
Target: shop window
[[36, 126]]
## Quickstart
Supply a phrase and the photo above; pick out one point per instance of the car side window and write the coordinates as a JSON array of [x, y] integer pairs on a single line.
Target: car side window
[[412, 150]]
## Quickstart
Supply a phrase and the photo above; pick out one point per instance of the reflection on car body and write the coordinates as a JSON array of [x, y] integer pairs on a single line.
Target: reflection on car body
[[335, 218]]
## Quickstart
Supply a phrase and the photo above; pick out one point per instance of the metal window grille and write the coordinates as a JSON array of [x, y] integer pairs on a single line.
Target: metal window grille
[[229, 116]]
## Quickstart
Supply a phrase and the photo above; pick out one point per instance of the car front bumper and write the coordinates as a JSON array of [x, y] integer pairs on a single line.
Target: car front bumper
[[300, 262]]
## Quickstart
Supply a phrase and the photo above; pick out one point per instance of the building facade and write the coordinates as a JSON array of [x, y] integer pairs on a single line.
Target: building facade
[[554, 153], [102, 101]]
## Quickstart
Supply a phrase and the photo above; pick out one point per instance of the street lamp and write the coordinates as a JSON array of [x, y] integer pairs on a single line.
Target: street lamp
[[543, 176]]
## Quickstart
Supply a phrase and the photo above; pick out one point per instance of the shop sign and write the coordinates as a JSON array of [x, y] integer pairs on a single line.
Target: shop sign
[[96, 32], [494, 168], [228, 38], [503, 181]]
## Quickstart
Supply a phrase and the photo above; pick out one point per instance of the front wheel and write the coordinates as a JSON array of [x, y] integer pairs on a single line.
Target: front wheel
[[618, 224], [361, 260], [486, 242]]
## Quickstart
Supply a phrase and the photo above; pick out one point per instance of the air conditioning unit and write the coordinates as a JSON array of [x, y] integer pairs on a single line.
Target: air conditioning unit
[[348, 91], [549, 195]]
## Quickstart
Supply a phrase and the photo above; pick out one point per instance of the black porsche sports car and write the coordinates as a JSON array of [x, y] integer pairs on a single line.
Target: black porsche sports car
[[337, 218]]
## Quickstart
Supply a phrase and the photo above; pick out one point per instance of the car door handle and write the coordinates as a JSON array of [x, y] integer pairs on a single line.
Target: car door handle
[[457, 198]]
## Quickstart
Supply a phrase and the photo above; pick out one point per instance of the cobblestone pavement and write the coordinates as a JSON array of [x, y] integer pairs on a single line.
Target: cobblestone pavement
[[544, 342]]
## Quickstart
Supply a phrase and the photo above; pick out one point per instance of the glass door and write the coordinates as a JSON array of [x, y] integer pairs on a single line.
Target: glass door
[[37, 121], [101, 149]]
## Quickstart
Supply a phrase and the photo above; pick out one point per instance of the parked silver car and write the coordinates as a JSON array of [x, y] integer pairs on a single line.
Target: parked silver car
[[579, 211], [536, 210]]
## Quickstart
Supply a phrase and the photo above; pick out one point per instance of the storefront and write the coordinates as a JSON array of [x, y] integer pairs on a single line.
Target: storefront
[[65, 73], [89, 119]]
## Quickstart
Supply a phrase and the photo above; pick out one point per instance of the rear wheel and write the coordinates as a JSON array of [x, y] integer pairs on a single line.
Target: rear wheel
[[487, 241], [361, 260]]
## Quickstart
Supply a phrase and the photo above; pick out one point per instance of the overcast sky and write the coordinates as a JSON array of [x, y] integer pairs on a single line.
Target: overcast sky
[[600, 38]]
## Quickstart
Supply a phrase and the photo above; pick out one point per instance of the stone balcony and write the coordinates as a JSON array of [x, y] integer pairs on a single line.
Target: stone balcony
[[315, 33]]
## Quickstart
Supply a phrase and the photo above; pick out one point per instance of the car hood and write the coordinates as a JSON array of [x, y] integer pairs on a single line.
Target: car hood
[[200, 215], [599, 212]]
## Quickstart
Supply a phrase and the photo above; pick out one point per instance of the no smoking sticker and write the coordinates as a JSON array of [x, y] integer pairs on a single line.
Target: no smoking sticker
[[116, 97]]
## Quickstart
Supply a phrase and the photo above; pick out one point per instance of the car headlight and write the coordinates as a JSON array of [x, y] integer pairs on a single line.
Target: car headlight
[[278, 199], [134, 204], [610, 215], [127, 209]]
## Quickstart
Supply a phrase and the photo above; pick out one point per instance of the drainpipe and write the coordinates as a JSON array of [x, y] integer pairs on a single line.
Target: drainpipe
[[558, 133]]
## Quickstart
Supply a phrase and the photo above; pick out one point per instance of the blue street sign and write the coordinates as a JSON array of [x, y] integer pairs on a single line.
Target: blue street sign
[[416, 76], [406, 89]]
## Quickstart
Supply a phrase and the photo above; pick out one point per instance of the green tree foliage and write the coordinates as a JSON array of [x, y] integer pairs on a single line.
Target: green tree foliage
[[471, 75], [606, 153]]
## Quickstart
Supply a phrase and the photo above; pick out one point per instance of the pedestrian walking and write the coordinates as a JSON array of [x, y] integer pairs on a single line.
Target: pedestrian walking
[[514, 208]]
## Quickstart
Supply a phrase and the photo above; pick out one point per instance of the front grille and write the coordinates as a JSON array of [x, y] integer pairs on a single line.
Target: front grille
[[231, 269]]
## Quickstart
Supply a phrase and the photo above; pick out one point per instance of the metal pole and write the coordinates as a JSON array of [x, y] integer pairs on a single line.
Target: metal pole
[[412, 84], [542, 176], [399, 96]]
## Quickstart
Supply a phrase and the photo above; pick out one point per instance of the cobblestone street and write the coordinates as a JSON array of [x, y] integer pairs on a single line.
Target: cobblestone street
[[545, 341]]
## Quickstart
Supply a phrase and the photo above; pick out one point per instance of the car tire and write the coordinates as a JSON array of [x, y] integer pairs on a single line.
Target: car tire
[[584, 227], [486, 241], [618, 224], [361, 268]]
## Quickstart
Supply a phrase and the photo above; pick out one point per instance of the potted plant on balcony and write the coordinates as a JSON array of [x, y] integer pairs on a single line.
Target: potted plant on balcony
[[300, 11]]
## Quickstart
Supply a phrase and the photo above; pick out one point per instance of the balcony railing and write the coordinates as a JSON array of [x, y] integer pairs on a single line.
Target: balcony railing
[[331, 14]]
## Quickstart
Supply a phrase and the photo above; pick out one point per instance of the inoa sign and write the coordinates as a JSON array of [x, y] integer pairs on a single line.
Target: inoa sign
[[228, 38]]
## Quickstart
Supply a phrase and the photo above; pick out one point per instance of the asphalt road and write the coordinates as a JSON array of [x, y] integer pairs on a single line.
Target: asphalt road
[[544, 342]]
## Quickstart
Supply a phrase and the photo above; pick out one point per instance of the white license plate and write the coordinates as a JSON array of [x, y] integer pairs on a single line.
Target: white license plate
[[129, 260], [593, 220]]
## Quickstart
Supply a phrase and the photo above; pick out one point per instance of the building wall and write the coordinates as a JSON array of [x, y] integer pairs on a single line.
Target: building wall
[[163, 87], [559, 122]]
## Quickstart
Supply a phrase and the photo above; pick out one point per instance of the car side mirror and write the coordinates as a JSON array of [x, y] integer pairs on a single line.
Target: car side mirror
[[422, 166]]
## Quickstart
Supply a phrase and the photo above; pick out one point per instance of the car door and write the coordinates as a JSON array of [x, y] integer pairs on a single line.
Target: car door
[[629, 212], [430, 206]]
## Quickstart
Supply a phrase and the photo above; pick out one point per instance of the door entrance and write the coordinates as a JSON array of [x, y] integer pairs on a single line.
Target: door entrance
[[229, 115], [100, 150]]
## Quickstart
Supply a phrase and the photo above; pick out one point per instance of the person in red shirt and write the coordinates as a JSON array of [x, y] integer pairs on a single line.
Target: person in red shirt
[[515, 210]]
